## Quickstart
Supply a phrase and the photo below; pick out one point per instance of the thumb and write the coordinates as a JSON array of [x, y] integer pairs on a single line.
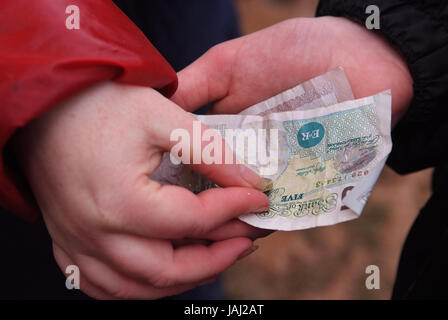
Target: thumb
[[192, 143], [206, 80]]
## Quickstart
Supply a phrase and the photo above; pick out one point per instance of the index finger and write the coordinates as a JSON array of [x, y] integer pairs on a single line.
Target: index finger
[[173, 212]]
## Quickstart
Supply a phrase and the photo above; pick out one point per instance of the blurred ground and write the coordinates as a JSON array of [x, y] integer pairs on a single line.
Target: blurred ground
[[258, 14], [328, 262]]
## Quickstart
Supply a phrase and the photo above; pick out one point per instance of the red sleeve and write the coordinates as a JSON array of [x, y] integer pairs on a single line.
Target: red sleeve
[[43, 63]]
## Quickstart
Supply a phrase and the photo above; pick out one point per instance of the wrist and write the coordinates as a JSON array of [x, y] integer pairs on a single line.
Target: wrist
[[371, 62]]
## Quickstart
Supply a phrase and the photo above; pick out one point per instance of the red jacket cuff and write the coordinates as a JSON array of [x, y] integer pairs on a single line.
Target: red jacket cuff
[[42, 63]]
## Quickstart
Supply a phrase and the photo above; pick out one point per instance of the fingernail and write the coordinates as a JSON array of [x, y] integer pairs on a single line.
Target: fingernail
[[262, 209], [208, 281], [247, 252], [251, 177], [266, 184]]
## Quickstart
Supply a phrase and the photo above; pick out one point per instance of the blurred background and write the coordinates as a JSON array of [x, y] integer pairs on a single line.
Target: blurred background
[[328, 262]]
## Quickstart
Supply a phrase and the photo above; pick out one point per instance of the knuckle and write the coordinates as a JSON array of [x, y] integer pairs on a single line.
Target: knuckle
[[197, 229], [222, 53], [154, 277], [106, 215], [121, 293], [200, 223], [162, 283], [161, 280]]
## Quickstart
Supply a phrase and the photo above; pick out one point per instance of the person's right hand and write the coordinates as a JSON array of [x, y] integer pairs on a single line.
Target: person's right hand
[[88, 161], [239, 73]]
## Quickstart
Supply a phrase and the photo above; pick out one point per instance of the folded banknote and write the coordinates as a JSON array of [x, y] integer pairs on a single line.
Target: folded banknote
[[324, 90], [323, 160]]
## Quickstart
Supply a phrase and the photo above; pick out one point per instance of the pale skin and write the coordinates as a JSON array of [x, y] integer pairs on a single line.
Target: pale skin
[[239, 73], [88, 159]]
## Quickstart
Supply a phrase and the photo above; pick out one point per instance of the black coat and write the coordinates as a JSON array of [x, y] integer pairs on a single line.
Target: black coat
[[419, 29]]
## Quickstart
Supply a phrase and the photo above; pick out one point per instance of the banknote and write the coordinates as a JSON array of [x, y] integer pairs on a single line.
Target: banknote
[[312, 185], [324, 90], [328, 160]]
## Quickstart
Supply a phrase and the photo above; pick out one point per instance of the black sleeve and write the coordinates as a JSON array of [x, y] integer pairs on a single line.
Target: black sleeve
[[419, 29]]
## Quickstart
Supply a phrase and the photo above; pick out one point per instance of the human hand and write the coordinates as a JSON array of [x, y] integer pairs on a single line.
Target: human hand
[[241, 72], [88, 161]]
